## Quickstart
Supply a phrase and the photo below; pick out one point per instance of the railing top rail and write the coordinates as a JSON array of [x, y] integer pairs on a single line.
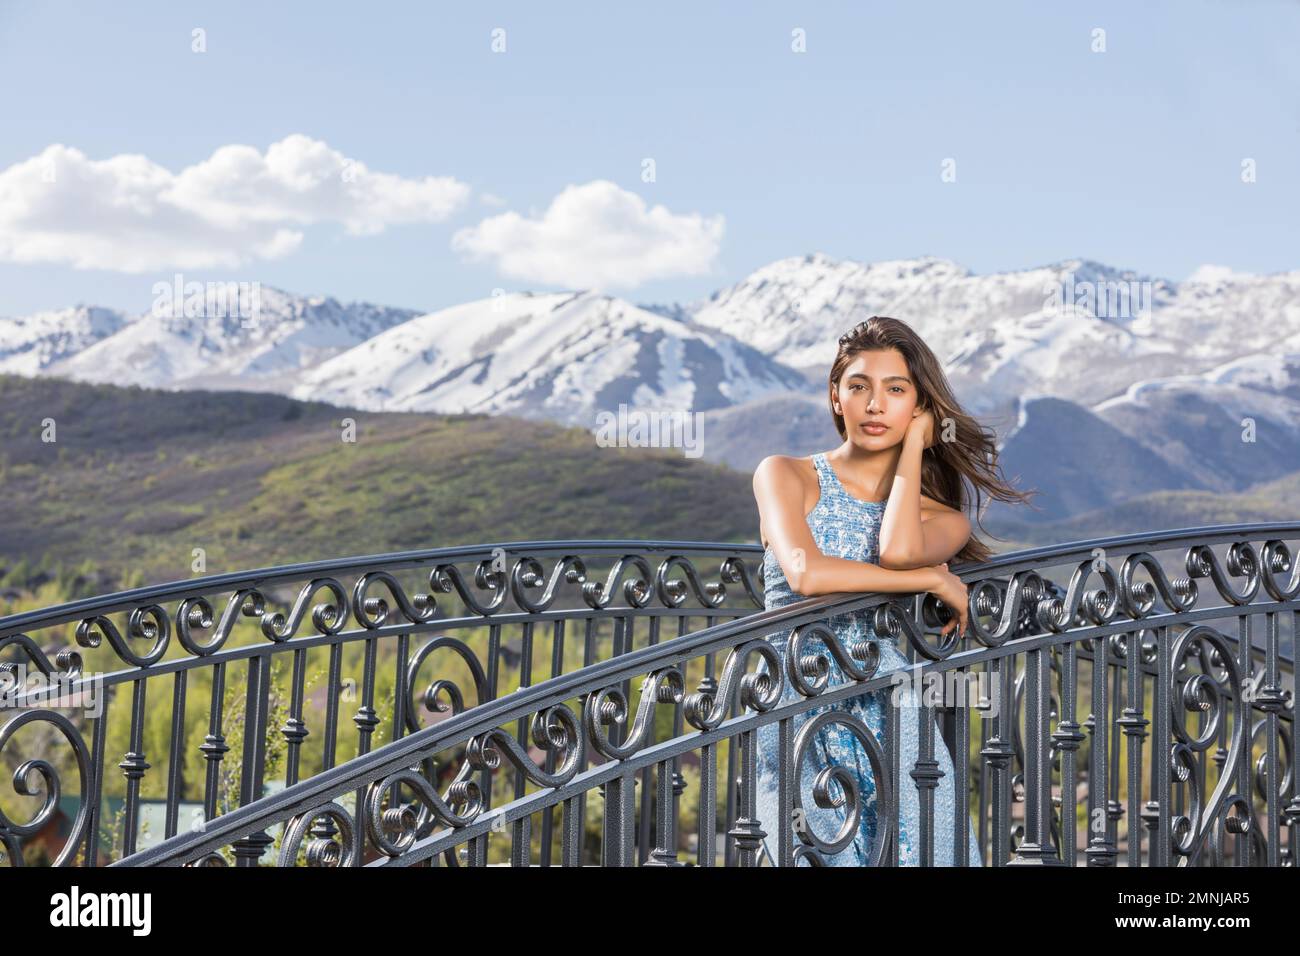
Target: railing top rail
[[399, 560], [1048, 554], [391, 561]]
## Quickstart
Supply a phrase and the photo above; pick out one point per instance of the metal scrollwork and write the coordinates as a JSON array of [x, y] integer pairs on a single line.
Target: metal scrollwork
[[761, 691], [850, 797], [809, 673], [429, 698], [197, 612], [148, 623], [326, 852], [636, 591], [1242, 562], [608, 706], [24, 784], [672, 592], [372, 612], [326, 618], [890, 619], [1138, 599], [1202, 693], [528, 574], [1079, 606], [1276, 560], [554, 730], [734, 570], [487, 577], [1013, 605], [410, 823]]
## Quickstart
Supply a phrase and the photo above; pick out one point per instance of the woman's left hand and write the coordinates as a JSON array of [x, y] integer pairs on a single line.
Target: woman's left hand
[[923, 425]]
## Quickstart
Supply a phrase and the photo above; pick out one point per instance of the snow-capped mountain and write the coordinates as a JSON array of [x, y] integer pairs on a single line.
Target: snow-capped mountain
[[561, 356], [1070, 329], [225, 345], [32, 344], [1133, 364], [1234, 425]]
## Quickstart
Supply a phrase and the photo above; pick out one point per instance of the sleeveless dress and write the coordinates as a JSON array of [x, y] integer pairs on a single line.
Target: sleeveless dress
[[847, 527]]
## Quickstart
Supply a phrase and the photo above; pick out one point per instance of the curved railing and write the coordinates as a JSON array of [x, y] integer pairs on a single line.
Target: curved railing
[[142, 674], [1135, 639]]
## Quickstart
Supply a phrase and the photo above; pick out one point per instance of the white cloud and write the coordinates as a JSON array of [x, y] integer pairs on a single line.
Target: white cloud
[[595, 236], [129, 214]]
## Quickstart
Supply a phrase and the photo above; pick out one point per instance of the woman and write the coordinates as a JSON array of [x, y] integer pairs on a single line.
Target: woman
[[883, 512]]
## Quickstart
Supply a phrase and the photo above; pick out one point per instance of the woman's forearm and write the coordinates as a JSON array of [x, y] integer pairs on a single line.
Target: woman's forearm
[[827, 575], [901, 534]]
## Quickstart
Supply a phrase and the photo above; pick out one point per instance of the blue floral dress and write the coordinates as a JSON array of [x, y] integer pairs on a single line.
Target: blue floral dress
[[847, 527]]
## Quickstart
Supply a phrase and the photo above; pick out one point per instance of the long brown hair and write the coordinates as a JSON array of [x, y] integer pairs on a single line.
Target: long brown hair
[[971, 452]]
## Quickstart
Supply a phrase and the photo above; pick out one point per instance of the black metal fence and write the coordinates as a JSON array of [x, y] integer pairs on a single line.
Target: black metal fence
[[1128, 715]]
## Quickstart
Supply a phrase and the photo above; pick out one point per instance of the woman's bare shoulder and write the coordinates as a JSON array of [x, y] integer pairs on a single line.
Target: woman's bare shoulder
[[783, 468]]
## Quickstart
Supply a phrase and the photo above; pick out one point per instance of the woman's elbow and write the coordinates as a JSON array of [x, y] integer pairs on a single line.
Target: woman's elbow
[[803, 581], [896, 562]]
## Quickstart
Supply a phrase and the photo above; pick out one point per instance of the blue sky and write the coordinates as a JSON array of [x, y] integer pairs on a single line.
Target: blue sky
[[1131, 156]]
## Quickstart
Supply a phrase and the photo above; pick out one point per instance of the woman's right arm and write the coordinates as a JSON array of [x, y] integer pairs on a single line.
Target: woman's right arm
[[779, 494]]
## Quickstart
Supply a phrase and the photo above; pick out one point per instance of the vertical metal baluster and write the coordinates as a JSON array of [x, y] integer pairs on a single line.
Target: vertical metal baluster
[[334, 678], [1134, 724], [893, 757], [133, 767], [664, 809], [679, 780], [521, 832], [787, 781], [747, 832], [295, 728], [248, 850], [679, 722], [1243, 851], [616, 625], [728, 841], [1214, 856], [570, 840], [366, 720], [997, 753], [323, 828], [548, 815], [1036, 847], [214, 747], [961, 784], [1160, 754], [617, 847], [175, 755], [478, 846], [588, 658], [1272, 701], [984, 779], [706, 850], [1293, 807], [96, 783], [925, 775], [646, 819], [1114, 809], [1068, 738], [665, 852], [399, 715], [1101, 850]]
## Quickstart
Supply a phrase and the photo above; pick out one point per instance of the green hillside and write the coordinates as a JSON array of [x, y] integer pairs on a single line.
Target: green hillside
[[136, 479]]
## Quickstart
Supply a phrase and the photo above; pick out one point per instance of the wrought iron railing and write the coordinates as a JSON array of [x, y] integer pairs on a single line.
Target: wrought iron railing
[[1083, 753], [352, 623]]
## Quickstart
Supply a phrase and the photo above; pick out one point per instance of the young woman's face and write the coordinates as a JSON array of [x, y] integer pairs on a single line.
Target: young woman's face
[[876, 389]]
